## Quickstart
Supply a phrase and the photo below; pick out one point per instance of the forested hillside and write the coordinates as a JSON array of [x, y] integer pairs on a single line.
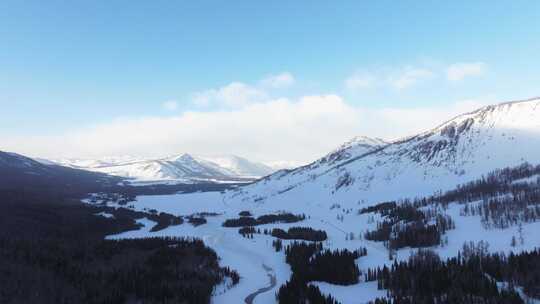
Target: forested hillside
[[52, 250]]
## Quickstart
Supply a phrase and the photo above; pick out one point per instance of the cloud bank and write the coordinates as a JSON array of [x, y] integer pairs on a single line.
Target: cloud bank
[[170, 105], [405, 77], [247, 120], [299, 130], [278, 81], [460, 71], [234, 95]]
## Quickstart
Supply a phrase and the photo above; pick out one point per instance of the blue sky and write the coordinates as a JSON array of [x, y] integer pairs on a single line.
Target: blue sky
[[66, 66]]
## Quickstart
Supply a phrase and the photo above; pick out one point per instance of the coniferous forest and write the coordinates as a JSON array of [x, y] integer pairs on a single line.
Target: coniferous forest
[[472, 277], [300, 233], [243, 221], [310, 262], [52, 250], [406, 226], [503, 198]]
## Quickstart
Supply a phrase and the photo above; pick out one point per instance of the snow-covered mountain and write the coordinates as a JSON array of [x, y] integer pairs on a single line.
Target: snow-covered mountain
[[182, 168], [237, 166], [290, 178], [457, 151]]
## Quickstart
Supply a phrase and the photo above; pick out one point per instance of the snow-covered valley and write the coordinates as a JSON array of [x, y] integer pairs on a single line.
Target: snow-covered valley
[[362, 173], [248, 256]]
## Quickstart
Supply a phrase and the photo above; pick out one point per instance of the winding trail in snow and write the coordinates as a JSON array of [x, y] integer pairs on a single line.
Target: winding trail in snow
[[270, 272], [332, 225]]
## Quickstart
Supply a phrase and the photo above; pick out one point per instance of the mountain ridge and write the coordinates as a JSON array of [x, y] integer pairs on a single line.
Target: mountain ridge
[[453, 152]]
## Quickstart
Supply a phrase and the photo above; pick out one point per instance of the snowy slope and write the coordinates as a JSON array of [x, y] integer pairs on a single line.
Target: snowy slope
[[237, 166], [457, 151], [184, 167], [354, 148], [249, 255]]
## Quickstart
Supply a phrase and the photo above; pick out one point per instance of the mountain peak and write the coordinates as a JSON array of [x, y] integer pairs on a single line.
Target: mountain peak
[[366, 140], [362, 141], [355, 147], [181, 157]]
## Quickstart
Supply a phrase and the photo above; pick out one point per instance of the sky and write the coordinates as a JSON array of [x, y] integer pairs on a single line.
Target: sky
[[270, 81]]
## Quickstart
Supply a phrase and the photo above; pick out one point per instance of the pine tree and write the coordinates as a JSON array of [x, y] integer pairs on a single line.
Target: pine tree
[[520, 230]]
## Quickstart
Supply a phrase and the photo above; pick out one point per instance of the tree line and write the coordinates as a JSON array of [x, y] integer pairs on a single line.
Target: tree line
[[292, 233], [284, 217], [310, 262], [503, 198], [155, 270], [404, 225], [52, 250], [300, 233], [471, 277]]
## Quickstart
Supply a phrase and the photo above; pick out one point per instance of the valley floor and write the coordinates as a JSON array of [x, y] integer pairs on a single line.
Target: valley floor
[[251, 257]]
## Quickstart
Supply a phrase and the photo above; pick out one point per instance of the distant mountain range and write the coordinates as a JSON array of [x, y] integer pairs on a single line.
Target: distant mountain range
[[183, 168], [457, 151]]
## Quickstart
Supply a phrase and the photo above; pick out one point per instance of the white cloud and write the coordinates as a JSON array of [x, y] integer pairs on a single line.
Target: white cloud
[[360, 81], [409, 76], [402, 78], [234, 95], [459, 71], [170, 105], [279, 129], [278, 81], [247, 121], [238, 94], [395, 78]]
